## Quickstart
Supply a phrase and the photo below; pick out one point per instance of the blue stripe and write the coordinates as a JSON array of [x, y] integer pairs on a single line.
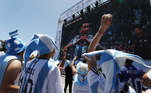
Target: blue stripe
[[36, 44], [25, 76], [42, 48], [81, 83], [113, 79], [42, 76], [14, 33], [105, 57], [94, 87]]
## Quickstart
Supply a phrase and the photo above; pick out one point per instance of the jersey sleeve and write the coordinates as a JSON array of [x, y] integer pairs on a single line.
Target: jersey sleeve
[[96, 81]]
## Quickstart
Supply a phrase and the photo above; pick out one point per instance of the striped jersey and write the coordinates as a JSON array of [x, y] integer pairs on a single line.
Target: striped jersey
[[40, 76]]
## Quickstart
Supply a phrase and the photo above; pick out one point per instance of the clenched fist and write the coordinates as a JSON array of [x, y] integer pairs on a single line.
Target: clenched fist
[[105, 22]]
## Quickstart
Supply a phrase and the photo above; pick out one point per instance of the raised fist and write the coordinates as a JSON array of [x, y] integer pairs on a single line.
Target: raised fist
[[105, 22]]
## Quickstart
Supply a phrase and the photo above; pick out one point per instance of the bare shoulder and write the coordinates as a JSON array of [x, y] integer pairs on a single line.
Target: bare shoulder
[[11, 73], [14, 64], [13, 69], [145, 79]]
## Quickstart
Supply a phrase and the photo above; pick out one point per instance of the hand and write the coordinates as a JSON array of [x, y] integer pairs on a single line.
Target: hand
[[84, 37], [105, 22], [75, 58], [85, 57], [64, 51], [61, 69]]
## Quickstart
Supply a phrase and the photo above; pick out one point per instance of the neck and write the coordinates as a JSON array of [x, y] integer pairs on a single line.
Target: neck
[[46, 56]]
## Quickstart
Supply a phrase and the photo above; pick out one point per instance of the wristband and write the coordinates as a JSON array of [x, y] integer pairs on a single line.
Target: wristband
[[101, 30]]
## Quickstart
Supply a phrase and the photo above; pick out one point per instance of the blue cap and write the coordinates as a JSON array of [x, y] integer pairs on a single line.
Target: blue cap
[[14, 45]]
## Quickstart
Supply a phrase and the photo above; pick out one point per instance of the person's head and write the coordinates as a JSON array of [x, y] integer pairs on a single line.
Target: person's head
[[84, 29], [47, 55], [82, 68], [68, 56], [139, 30], [15, 46], [45, 46], [84, 59], [128, 62]]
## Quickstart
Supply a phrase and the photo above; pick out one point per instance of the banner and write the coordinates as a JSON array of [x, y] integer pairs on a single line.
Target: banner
[[58, 34]]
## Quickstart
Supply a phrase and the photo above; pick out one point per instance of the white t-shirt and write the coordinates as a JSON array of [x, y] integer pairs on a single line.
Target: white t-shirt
[[41, 76]]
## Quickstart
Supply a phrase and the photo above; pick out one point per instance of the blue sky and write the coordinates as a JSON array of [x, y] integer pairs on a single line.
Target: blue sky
[[31, 16]]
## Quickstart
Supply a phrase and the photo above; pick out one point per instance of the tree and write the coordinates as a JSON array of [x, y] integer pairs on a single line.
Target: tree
[[2, 45]]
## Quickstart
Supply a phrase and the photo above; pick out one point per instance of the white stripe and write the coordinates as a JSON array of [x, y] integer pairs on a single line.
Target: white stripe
[[47, 42], [13, 34]]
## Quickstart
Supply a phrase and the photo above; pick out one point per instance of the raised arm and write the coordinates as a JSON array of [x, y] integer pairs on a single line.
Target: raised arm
[[61, 65], [63, 58], [74, 70], [67, 46], [105, 24]]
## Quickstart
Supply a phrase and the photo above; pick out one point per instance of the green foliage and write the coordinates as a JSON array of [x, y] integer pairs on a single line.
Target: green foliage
[[2, 45]]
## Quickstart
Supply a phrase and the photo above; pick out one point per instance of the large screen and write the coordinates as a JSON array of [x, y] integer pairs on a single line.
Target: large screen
[[130, 30]]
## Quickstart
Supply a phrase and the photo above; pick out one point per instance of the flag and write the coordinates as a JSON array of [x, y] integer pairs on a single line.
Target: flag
[[13, 34], [111, 62]]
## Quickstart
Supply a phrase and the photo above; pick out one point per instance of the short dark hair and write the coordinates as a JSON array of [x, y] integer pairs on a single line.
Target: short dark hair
[[129, 61], [84, 60], [83, 22]]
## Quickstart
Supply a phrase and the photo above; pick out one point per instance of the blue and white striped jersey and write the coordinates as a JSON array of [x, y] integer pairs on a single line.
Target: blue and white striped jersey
[[97, 82], [41, 76]]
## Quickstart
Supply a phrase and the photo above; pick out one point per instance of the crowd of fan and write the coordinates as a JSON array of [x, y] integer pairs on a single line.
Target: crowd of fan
[[127, 15]]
